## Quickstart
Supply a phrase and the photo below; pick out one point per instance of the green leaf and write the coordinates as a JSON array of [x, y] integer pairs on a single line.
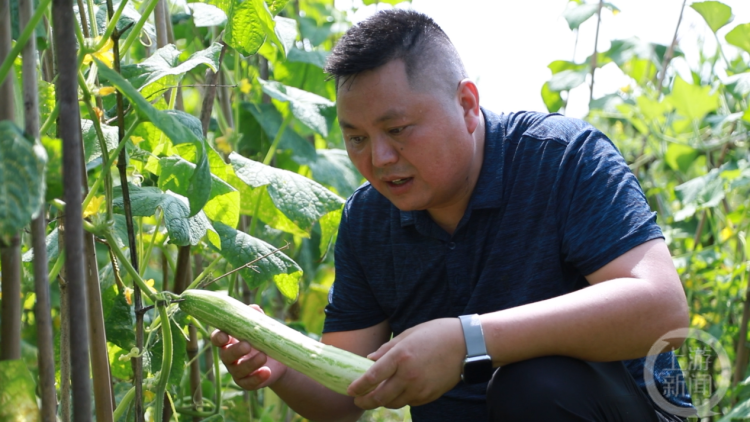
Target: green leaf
[[739, 85], [334, 168], [680, 157], [558, 66], [715, 13], [313, 31], [276, 6], [746, 115], [641, 70], [391, 2], [173, 125], [129, 17], [286, 32], [206, 15], [240, 248], [316, 58], [329, 227], [314, 111], [224, 201], [303, 152], [53, 171], [119, 319], [248, 25], [17, 392], [740, 36], [567, 80], [91, 148], [302, 200], [692, 101], [622, 51], [183, 229], [552, 99], [51, 240], [580, 14], [22, 164], [653, 111], [162, 70], [699, 193]]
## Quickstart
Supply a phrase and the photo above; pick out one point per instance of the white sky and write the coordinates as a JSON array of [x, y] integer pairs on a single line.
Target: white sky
[[507, 45]]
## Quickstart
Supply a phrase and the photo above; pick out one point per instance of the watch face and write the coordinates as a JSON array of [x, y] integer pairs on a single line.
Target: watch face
[[477, 369]]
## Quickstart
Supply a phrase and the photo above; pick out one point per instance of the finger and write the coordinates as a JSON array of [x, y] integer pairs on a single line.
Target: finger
[[258, 308], [388, 394], [219, 338], [233, 351], [382, 350], [246, 364], [255, 380], [378, 372]]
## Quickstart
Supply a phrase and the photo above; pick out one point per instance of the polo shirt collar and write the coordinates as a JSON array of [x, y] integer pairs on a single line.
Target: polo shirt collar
[[488, 190]]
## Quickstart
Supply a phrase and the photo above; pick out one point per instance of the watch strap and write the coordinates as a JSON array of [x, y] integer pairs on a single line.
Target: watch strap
[[473, 335]]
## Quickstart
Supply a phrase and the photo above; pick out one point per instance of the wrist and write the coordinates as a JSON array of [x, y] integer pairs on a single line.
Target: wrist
[[477, 365]]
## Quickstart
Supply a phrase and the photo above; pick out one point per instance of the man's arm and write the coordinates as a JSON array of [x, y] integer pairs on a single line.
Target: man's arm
[[251, 370], [631, 302]]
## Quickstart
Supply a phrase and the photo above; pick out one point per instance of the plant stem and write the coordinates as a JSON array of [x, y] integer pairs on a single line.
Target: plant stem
[[124, 404], [147, 255], [166, 362], [125, 262], [204, 274], [596, 45], [22, 39], [670, 52], [196, 392], [136, 32], [50, 119], [275, 143]]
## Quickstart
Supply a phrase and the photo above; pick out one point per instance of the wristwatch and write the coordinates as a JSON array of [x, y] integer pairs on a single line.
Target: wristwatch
[[478, 364]]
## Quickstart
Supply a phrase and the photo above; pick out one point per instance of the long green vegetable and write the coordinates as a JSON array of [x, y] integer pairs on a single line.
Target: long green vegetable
[[328, 365]]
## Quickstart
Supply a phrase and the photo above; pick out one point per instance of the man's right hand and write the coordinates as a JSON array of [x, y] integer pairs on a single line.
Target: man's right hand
[[250, 368]]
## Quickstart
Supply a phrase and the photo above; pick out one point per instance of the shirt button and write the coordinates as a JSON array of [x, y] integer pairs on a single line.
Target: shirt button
[[452, 245]]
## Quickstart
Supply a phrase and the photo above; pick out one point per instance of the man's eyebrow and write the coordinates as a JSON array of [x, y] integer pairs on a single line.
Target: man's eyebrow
[[388, 115]]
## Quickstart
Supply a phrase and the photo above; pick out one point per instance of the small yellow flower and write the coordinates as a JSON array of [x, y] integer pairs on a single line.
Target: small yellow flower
[[106, 90], [148, 395], [150, 284], [222, 142], [725, 234], [99, 113], [129, 295], [104, 54], [93, 206], [136, 139], [245, 86], [699, 321]]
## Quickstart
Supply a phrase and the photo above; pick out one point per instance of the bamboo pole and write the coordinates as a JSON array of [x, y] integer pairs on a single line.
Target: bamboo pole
[[63, 23], [10, 254], [42, 309]]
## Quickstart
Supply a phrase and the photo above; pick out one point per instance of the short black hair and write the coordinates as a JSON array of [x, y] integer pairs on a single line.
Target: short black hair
[[395, 34]]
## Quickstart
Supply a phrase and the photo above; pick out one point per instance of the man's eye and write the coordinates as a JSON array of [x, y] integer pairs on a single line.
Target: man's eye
[[397, 130], [356, 140]]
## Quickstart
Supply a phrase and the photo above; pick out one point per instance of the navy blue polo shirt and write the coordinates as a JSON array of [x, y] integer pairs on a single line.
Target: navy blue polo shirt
[[554, 201]]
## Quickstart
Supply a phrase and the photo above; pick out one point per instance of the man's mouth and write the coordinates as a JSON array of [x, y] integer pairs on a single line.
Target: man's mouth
[[399, 182]]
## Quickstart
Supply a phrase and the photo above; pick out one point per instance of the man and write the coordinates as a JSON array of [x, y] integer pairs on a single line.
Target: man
[[533, 222]]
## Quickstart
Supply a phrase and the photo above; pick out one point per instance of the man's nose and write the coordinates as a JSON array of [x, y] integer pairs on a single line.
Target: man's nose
[[383, 153]]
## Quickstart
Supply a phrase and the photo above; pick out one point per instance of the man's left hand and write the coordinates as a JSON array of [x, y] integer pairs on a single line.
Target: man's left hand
[[414, 368]]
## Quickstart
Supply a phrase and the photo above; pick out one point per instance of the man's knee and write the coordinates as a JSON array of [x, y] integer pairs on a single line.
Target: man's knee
[[565, 389]]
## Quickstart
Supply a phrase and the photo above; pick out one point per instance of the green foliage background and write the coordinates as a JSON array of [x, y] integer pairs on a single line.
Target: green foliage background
[[270, 171]]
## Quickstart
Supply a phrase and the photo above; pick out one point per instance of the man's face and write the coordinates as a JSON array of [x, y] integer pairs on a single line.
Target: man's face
[[412, 145]]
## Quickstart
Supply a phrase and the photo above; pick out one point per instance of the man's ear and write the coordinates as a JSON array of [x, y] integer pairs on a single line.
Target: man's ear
[[468, 98]]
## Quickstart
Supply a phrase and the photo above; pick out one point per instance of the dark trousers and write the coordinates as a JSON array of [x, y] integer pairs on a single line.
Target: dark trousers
[[563, 389]]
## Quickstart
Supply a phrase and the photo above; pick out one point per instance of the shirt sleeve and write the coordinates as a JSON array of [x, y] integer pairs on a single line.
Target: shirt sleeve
[[352, 304], [603, 209]]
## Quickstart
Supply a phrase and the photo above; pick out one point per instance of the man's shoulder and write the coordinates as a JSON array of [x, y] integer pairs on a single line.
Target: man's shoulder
[[522, 125]]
